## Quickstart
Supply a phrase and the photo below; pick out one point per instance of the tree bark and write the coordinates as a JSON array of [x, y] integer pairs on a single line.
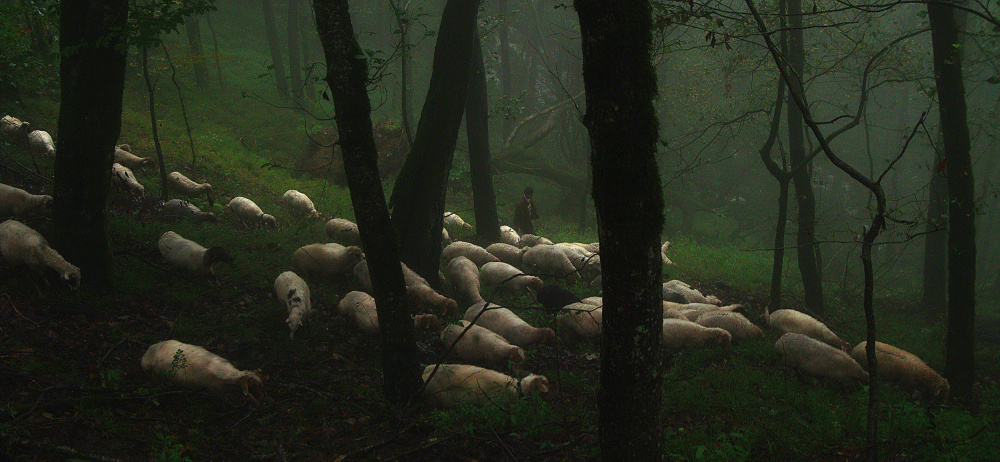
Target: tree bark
[[275, 46], [477, 130], [403, 22], [419, 195], [197, 54], [935, 284], [508, 122], [90, 118], [151, 91], [960, 352], [294, 59], [347, 75], [621, 84]]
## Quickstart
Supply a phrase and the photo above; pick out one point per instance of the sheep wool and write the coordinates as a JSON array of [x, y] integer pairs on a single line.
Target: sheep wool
[[796, 321], [247, 210], [905, 368], [692, 311], [124, 156], [410, 277], [673, 288], [581, 321], [813, 357], [506, 253], [533, 240], [300, 203], [735, 323], [18, 202], [454, 221], [329, 261], [360, 308], [509, 235], [576, 255], [22, 245], [678, 333], [464, 277], [192, 366], [548, 259], [663, 253], [124, 177], [451, 385], [40, 141], [294, 294], [508, 278], [481, 346], [511, 327], [181, 208], [423, 297], [184, 185], [189, 256], [11, 126], [473, 252], [342, 231]]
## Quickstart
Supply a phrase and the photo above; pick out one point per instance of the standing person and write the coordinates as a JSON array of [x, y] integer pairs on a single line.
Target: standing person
[[524, 212]]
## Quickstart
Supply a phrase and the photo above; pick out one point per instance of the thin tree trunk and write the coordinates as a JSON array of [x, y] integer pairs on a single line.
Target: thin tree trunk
[[621, 84], [294, 61], [151, 91], [92, 83], [272, 42], [508, 122], [347, 75], [477, 130], [404, 69], [180, 97], [215, 50], [193, 28]]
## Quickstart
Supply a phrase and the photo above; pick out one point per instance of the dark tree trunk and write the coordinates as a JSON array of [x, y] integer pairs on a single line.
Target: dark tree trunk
[[151, 91], [935, 286], [477, 130], [90, 119], [419, 195], [347, 74], [294, 60], [193, 27], [960, 352], [621, 84], [508, 122], [403, 22], [275, 46], [783, 176], [812, 283]]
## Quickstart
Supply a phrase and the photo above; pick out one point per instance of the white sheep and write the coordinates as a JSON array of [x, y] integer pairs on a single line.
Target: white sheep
[[530, 240], [41, 142], [11, 126], [184, 185], [692, 311], [787, 320], [22, 245], [663, 253], [509, 235], [548, 259], [419, 292], [508, 278], [581, 321], [473, 252], [445, 237], [813, 357], [410, 277], [189, 256], [18, 202], [329, 261], [123, 155], [506, 253], [511, 327], [735, 323], [37, 141], [294, 294], [481, 346], [342, 231], [300, 203], [183, 209], [455, 221], [451, 385], [679, 333], [360, 308], [247, 210], [673, 288], [192, 366], [576, 254], [124, 178], [464, 277], [905, 368]]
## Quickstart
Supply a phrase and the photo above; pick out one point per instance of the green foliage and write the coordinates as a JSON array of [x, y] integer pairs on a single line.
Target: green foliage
[[150, 20], [172, 451]]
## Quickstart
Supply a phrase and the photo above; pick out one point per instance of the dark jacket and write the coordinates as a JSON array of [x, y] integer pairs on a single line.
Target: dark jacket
[[524, 212]]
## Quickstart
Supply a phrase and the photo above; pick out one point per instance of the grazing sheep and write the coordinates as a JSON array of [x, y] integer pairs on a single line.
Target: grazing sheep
[[531, 240], [342, 231], [663, 253], [184, 185], [906, 369], [596, 301], [508, 278], [816, 358], [481, 346], [13, 127], [692, 311], [796, 321], [549, 259], [736, 324], [124, 177], [247, 210], [451, 385], [464, 277], [509, 235], [360, 307], [40, 141], [504, 322], [554, 297], [37, 141], [473, 252], [189, 256], [192, 366], [364, 279], [294, 293], [18, 202], [678, 333], [506, 253], [455, 221], [687, 293], [183, 209], [670, 312], [581, 321], [423, 297], [445, 237], [21, 245], [124, 156], [300, 203], [329, 261], [576, 255]]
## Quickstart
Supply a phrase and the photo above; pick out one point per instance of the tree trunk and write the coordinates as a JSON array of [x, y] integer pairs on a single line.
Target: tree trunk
[[935, 286], [419, 195], [347, 75], [403, 22], [508, 122], [215, 50], [477, 130], [275, 46], [812, 283], [151, 91], [621, 84], [197, 54], [960, 352], [90, 119], [294, 60]]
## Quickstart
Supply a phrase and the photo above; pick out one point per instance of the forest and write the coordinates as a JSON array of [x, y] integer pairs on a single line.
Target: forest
[[321, 230]]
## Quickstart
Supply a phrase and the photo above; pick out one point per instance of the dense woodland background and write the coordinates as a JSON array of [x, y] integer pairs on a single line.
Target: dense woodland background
[[242, 102]]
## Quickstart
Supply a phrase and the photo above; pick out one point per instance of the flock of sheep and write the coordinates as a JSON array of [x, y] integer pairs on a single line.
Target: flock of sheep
[[488, 339]]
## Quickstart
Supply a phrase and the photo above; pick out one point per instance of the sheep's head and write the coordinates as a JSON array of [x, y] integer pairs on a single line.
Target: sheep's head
[[534, 384], [269, 220], [722, 337], [215, 255], [71, 277], [251, 385], [126, 148], [208, 216], [427, 322], [46, 200], [448, 306], [294, 322]]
